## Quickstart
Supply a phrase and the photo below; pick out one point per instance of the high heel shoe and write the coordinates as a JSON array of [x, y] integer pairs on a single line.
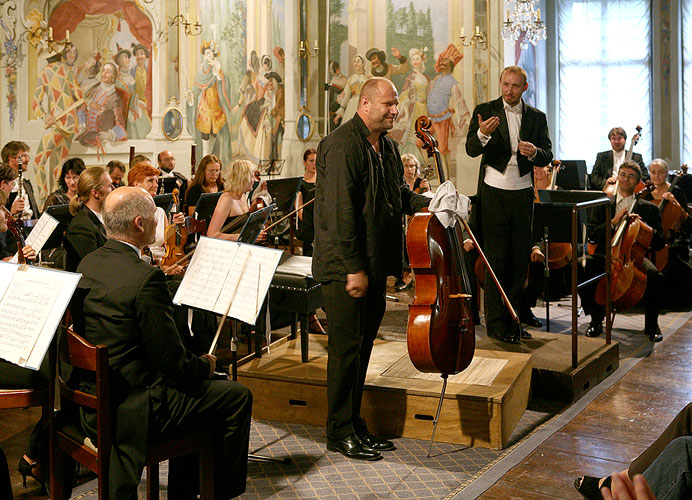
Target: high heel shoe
[[26, 467]]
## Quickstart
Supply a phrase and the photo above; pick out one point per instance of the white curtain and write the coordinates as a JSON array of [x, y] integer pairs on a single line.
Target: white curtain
[[604, 68], [687, 81]]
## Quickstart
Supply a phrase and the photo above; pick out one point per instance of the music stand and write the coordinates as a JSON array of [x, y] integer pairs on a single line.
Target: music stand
[[271, 167], [164, 201], [254, 224], [573, 175], [552, 223], [168, 184], [283, 192], [206, 205], [64, 217]]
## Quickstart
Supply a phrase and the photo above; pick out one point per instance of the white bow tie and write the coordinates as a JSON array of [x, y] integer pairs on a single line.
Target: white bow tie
[[512, 109]]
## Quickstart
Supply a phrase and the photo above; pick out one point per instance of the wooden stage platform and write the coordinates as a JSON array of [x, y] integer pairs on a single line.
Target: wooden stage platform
[[482, 404]]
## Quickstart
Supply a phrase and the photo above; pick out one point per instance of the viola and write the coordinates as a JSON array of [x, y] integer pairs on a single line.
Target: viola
[[15, 228], [440, 333], [630, 243], [175, 236], [673, 216]]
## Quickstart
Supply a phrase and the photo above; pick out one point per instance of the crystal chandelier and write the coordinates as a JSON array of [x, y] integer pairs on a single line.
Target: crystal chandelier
[[524, 20]]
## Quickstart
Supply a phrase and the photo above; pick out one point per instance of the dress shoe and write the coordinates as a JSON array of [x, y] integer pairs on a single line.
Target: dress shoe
[[654, 334], [316, 326], [375, 442], [405, 285], [352, 447], [595, 329], [525, 334], [509, 338], [528, 318]]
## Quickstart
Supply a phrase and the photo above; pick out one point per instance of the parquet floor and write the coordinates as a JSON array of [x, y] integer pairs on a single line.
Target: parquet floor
[[611, 431]]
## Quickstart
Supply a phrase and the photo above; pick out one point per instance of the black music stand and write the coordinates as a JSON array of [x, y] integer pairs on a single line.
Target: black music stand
[[206, 205], [64, 217], [254, 224], [283, 192], [573, 175], [168, 184], [164, 201], [271, 167], [552, 223]]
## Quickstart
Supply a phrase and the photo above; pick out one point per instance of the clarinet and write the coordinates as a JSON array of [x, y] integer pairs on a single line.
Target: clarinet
[[26, 213]]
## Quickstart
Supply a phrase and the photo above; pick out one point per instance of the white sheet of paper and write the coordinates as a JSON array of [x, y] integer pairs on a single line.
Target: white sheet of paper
[[40, 233], [33, 303], [227, 272]]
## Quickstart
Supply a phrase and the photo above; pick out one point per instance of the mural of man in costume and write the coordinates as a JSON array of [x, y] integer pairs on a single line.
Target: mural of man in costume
[[106, 111], [446, 105], [58, 101], [379, 66], [209, 105], [336, 86], [141, 96], [278, 110]]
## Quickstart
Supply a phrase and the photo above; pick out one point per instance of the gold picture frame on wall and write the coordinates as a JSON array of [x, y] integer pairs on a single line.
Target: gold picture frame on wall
[[305, 126], [172, 124]]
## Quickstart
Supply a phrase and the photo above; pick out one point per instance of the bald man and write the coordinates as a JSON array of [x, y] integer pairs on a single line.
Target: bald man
[[360, 197], [159, 387], [166, 161]]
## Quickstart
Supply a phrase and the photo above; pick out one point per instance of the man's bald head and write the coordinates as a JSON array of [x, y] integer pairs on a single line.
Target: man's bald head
[[378, 104], [122, 207]]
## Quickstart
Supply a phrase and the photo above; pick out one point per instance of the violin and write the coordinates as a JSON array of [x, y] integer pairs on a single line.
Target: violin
[[15, 228], [612, 188], [673, 216], [630, 243], [175, 236], [258, 203], [440, 333]]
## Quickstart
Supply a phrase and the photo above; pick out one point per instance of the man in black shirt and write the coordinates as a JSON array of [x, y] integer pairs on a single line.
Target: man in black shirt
[[360, 197]]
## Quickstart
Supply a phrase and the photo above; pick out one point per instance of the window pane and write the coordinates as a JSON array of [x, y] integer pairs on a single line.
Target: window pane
[[687, 81]]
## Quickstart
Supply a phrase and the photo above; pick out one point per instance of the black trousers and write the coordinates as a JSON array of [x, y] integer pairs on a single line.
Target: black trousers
[[506, 222], [595, 264], [224, 406], [352, 326]]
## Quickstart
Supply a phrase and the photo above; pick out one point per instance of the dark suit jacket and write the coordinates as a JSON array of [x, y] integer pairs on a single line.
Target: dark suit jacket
[[647, 211], [497, 152], [603, 167], [84, 235], [132, 313]]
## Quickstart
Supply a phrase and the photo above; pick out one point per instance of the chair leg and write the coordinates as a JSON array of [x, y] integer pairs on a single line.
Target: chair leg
[[304, 336], [294, 326], [153, 482], [206, 474]]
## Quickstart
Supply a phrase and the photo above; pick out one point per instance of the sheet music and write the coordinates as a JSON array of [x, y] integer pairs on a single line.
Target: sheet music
[[227, 272], [32, 305], [40, 234]]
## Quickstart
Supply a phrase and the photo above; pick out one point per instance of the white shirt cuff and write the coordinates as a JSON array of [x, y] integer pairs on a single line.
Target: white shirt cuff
[[483, 138]]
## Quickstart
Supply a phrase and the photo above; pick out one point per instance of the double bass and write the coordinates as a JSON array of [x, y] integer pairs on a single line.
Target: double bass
[[611, 189]]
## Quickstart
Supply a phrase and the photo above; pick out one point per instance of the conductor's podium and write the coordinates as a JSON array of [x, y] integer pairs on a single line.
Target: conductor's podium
[[295, 291]]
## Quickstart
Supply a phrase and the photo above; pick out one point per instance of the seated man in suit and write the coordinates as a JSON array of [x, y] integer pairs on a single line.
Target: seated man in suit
[[86, 232], [608, 162], [629, 176], [159, 387], [166, 162]]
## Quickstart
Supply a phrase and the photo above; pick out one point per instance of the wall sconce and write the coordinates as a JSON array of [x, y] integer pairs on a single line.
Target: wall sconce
[[478, 39], [304, 49], [190, 29], [44, 36]]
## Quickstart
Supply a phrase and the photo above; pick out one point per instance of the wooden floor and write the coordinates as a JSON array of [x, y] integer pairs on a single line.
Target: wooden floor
[[611, 431]]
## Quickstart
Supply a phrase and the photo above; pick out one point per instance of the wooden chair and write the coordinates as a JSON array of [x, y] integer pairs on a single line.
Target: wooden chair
[[71, 441]]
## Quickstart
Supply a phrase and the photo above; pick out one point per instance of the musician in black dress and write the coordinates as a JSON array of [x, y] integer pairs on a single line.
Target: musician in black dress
[[69, 176], [305, 230], [629, 176]]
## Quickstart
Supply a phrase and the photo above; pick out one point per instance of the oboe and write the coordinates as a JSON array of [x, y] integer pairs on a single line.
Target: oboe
[[27, 212]]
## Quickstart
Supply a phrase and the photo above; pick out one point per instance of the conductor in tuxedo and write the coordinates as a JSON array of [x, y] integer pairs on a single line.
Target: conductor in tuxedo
[[605, 169], [158, 387], [512, 137], [86, 232]]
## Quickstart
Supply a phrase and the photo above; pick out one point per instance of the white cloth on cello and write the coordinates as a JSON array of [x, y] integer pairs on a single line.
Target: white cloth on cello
[[448, 204]]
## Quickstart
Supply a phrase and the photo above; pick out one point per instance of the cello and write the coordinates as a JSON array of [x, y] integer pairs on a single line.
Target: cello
[[630, 243], [440, 333]]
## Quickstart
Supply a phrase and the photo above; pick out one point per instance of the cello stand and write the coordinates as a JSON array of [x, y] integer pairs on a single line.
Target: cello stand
[[437, 414]]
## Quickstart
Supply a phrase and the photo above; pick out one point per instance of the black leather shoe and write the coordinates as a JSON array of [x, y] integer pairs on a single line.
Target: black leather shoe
[[528, 318], [525, 334], [352, 447], [405, 285], [654, 334], [375, 442], [510, 339], [595, 329]]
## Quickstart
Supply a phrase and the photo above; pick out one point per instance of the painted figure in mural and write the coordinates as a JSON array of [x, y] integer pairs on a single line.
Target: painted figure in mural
[[336, 86], [106, 111], [277, 115], [58, 101], [89, 74], [281, 64], [247, 85], [379, 66], [255, 128], [348, 100], [141, 96], [412, 104], [446, 105], [209, 105]]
